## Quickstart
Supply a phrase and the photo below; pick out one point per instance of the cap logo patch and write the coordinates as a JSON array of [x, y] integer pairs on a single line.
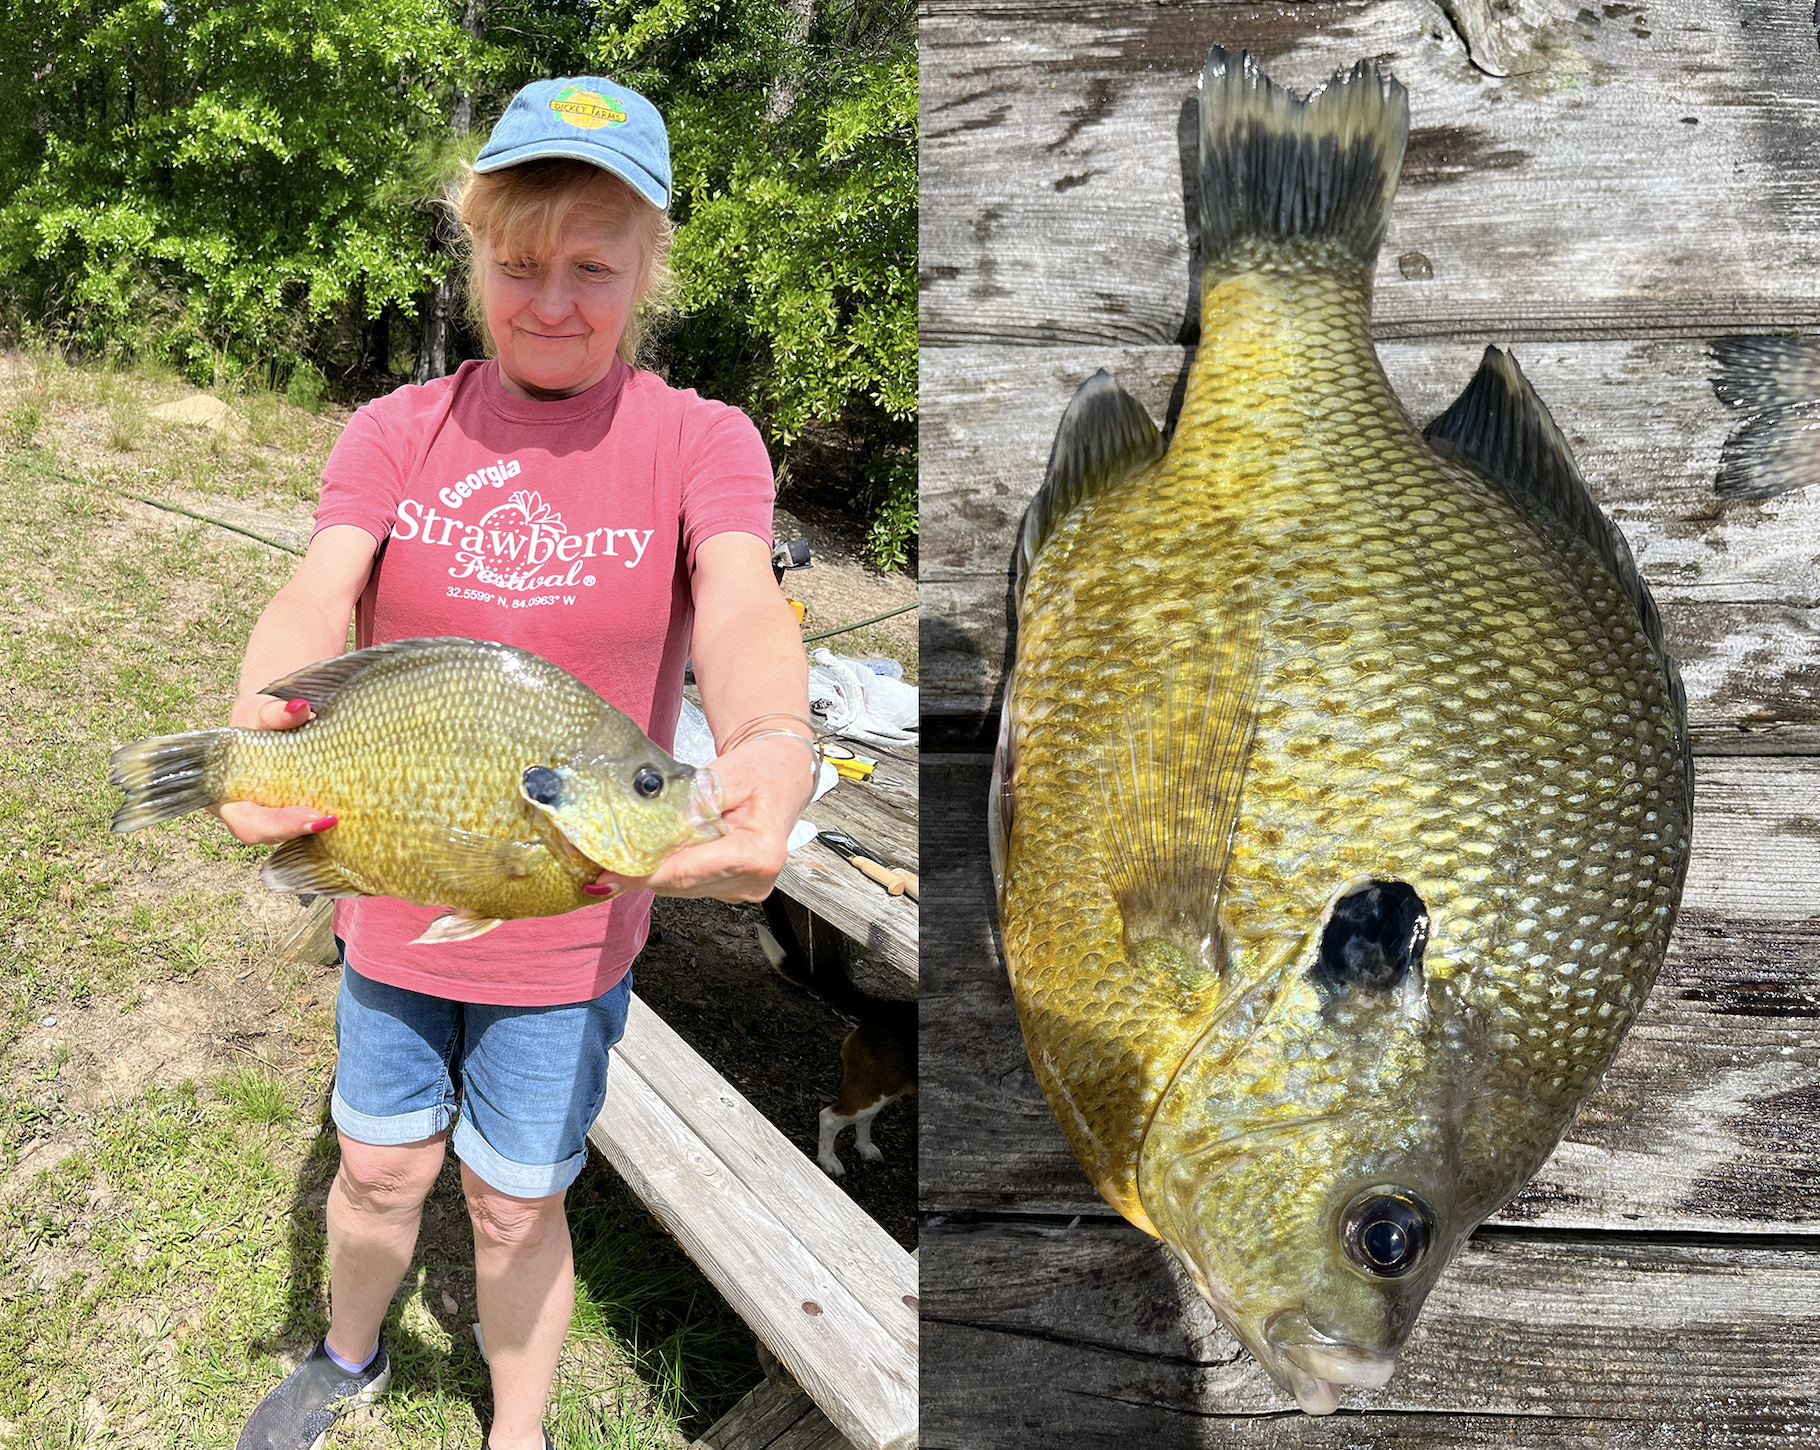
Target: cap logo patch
[[588, 109]]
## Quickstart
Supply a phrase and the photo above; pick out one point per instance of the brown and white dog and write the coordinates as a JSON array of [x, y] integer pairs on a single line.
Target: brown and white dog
[[877, 1058]]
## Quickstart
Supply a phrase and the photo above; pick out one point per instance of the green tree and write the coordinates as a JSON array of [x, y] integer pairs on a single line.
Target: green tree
[[205, 179], [792, 131], [249, 183]]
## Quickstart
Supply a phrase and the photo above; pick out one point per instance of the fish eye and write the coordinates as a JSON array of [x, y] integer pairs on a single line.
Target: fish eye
[[542, 785], [1374, 936], [1386, 1231], [648, 782]]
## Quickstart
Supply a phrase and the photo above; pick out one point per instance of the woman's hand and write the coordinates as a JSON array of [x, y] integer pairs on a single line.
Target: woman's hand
[[764, 786], [306, 621], [255, 825]]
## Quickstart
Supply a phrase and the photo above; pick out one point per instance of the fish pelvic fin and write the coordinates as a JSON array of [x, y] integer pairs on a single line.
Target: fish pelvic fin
[[168, 776], [1501, 428], [1104, 436], [1775, 381], [1170, 785], [460, 925], [303, 864], [1278, 171]]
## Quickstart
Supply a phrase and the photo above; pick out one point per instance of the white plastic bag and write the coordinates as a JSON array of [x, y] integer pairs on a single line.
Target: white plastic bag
[[848, 699]]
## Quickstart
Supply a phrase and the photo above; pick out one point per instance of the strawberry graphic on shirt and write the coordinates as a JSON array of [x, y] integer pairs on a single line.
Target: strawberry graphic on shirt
[[516, 539]]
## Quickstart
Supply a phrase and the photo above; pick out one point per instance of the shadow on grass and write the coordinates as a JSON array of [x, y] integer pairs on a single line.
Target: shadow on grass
[[652, 1345]]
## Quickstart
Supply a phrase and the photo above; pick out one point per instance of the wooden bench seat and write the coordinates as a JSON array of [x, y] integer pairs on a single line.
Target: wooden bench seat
[[827, 1290]]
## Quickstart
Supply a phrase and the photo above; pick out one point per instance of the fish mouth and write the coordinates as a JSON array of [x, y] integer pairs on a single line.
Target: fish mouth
[[704, 805], [1317, 1368]]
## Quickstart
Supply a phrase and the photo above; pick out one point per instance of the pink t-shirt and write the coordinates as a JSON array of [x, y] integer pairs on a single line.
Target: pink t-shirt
[[566, 528]]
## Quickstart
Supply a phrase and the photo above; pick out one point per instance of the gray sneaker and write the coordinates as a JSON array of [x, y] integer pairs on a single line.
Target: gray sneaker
[[297, 1415]]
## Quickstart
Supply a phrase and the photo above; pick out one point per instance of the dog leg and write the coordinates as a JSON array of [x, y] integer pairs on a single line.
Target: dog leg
[[832, 1123]]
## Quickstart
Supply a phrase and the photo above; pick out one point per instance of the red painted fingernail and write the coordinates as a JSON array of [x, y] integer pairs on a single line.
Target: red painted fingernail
[[599, 888], [296, 707], [323, 824]]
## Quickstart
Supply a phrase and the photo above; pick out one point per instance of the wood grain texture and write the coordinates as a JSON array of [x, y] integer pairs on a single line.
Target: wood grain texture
[[820, 1283], [1631, 181], [1090, 1336], [772, 1418]]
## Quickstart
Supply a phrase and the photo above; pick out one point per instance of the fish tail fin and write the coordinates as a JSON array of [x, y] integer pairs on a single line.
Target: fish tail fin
[[168, 776], [1278, 171]]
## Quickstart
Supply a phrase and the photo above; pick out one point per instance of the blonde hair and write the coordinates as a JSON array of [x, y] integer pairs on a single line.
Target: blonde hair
[[520, 210]]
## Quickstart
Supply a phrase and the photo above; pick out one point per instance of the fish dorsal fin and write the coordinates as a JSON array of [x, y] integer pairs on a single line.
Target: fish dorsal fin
[[321, 682], [1277, 170], [1104, 435], [1169, 794], [1504, 430]]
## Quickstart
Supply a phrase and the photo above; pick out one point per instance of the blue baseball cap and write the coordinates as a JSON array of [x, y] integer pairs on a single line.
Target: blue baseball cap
[[586, 118]]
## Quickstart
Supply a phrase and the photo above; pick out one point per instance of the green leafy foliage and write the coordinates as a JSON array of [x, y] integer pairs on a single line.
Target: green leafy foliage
[[245, 189], [793, 136]]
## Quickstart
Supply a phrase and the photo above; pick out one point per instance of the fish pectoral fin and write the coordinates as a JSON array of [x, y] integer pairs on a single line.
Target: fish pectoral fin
[[302, 864], [459, 925], [1104, 435], [471, 860], [1170, 786], [1001, 800]]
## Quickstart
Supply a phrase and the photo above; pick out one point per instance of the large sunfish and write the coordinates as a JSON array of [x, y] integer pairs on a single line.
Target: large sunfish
[[465, 774], [1342, 801]]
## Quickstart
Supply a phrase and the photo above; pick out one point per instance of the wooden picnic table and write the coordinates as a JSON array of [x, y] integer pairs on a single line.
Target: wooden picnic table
[[1638, 184], [882, 813]]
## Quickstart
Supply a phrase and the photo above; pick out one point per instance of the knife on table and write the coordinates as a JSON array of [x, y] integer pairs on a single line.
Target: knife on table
[[894, 879]]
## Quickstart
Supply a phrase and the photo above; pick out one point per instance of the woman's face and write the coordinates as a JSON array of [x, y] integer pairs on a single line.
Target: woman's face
[[556, 319]]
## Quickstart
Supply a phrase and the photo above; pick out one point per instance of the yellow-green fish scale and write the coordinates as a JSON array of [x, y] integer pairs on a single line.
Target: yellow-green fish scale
[[412, 747], [1451, 694]]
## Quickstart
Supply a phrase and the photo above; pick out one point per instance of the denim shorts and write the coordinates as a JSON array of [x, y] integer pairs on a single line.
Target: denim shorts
[[522, 1085]]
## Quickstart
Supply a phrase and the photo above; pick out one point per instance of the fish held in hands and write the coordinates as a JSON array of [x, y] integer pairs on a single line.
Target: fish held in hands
[[1387, 763], [463, 774]]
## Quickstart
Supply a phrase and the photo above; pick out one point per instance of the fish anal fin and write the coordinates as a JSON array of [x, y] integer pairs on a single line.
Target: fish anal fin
[[303, 865], [459, 925], [1104, 436], [1170, 787]]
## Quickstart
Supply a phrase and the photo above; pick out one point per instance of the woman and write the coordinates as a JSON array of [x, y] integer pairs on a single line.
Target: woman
[[556, 498]]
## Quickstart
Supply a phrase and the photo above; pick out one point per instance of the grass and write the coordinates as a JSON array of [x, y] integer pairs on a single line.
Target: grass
[[164, 1153]]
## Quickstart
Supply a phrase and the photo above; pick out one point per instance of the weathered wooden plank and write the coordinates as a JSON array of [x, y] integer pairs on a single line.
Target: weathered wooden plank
[[881, 812], [1643, 174], [1738, 581], [1709, 1118], [823, 1286], [772, 1418], [1090, 1336]]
